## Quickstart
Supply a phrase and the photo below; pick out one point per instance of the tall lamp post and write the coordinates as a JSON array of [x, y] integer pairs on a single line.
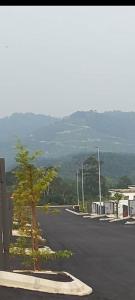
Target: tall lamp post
[[99, 178], [82, 188], [77, 188]]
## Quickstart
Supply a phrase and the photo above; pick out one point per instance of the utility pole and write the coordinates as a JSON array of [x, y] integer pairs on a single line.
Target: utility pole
[[77, 188], [1, 233], [82, 188], [99, 176], [4, 213]]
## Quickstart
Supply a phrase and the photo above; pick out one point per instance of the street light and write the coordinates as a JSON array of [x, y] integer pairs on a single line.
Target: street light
[[82, 188], [99, 179], [77, 189]]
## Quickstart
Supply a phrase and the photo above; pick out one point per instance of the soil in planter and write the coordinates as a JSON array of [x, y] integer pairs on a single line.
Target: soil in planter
[[62, 277]]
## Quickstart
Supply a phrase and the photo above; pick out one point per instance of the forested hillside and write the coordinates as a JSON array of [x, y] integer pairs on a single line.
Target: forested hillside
[[114, 165], [81, 132]]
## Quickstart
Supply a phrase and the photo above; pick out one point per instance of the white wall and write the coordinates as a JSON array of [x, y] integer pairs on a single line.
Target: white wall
[[120, 207], [131, 195]]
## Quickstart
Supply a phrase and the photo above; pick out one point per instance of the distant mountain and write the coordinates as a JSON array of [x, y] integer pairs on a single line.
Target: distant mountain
[[22, 125], [83, 131], [19, 125], [113, 131]]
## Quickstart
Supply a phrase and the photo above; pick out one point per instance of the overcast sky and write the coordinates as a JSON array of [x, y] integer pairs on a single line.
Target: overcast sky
[[56, 60]]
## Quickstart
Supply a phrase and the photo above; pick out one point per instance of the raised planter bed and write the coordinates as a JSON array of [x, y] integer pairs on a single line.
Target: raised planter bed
[[63, 284], [58, 276], [76, 213]]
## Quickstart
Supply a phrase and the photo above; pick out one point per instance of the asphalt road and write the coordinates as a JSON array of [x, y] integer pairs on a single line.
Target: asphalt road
[[104, 254], [103, 257]]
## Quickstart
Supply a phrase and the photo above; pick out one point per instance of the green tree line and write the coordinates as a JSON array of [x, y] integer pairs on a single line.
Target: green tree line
[[63, 190]]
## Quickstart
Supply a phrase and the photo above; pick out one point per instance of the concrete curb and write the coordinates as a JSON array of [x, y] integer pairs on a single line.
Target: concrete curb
[[76, 213], [51, 206], [130, 223], [15, 232], [106, 219], [75, 287], [94, 216], [115, 220], [121, 219], [44, 249]]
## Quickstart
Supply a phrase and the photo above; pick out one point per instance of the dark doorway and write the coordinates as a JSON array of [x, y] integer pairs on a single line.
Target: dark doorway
[[125, 211]]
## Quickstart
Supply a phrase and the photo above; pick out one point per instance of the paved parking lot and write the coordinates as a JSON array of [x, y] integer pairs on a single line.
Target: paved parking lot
[[104, 253], [103, 257]]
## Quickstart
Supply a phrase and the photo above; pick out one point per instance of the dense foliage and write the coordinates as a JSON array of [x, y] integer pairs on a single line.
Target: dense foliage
[[60, 192], [117, 171]]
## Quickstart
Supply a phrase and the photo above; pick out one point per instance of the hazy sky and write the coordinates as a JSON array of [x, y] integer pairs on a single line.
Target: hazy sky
[[64, 58]]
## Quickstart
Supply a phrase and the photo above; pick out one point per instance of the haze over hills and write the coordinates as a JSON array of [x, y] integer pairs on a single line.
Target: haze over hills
[[80, 132]]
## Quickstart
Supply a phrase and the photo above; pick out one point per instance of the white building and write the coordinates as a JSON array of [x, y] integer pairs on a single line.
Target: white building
[[96, 208], [128, 194], [109, 207], [126, 206], [123, 208]]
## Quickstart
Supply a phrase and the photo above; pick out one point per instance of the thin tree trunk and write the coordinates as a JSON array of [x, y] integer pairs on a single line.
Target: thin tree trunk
[[34, 227], [34, 236]]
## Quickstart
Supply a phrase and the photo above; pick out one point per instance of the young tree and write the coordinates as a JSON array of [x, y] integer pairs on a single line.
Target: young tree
[[31, 183], [117, 197]]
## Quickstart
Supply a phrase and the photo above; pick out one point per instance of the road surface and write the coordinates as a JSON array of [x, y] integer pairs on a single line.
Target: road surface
[[103, 257], [104, 254]]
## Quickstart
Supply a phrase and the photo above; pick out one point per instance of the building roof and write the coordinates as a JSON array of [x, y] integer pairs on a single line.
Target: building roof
[[129, 190]]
